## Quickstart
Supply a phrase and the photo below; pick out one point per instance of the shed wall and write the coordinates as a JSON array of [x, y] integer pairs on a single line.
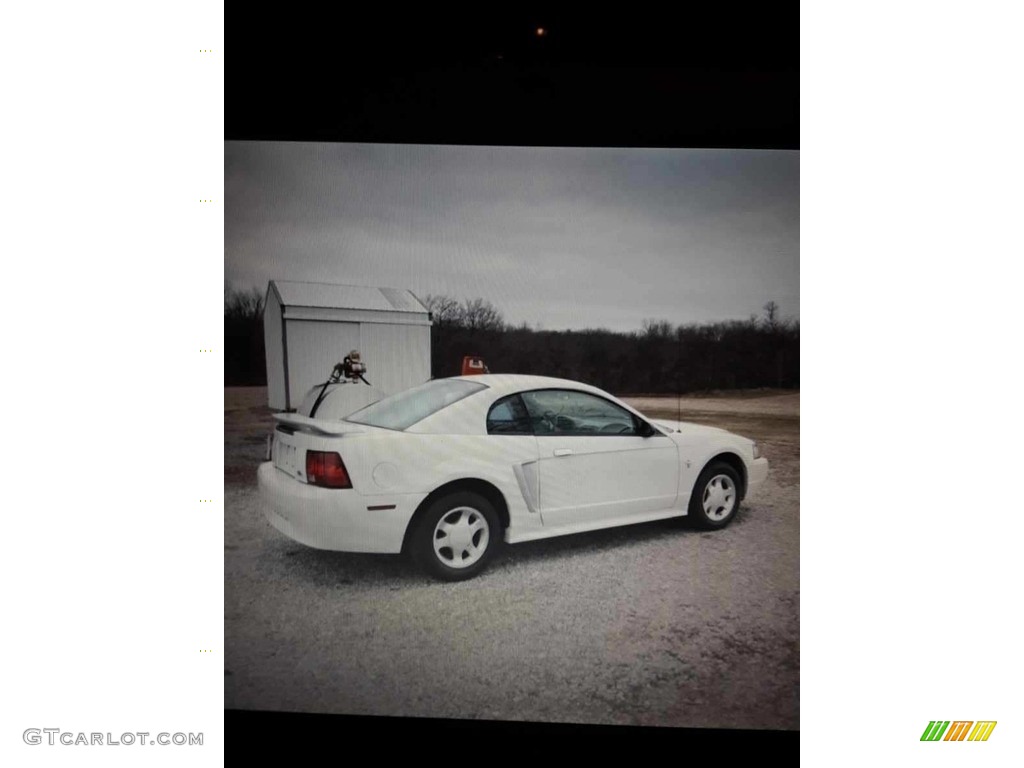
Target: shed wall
[[398, 356], [356, 315], [273, 344]]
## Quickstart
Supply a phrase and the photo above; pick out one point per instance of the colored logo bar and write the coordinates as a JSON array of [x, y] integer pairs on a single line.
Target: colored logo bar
[[959, 730]]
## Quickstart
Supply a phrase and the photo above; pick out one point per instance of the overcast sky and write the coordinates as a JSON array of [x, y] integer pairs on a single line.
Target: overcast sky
[[555, 237]]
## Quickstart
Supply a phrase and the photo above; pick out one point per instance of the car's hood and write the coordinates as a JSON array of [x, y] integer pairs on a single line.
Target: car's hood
[[690, 429]]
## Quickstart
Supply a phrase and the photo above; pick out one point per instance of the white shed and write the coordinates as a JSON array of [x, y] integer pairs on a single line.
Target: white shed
[[308, 327]]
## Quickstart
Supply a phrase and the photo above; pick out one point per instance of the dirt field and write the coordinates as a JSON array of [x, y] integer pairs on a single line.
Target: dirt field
[[647, 625]]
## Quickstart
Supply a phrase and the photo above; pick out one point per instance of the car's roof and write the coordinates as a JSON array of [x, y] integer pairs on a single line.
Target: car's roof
[[503, 383]]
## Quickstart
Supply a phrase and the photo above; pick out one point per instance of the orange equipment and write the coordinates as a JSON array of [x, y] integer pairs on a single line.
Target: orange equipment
[[472, 365]]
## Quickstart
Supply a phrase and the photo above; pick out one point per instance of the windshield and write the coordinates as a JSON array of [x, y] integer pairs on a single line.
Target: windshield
[[403, 410]]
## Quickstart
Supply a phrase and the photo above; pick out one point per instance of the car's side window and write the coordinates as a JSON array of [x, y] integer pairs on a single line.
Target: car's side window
[[568, 412], [508, 416]]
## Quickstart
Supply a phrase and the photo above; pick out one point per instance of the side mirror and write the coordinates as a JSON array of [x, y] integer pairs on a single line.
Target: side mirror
[[646, 430]]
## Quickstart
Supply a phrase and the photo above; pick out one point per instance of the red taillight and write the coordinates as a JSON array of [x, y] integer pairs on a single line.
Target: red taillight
[[326, 469]]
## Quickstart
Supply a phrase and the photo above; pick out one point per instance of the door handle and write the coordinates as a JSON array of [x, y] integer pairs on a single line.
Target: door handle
[[563, 451]]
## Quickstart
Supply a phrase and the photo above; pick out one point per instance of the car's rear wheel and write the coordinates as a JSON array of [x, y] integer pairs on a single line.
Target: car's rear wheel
[[456, 536], [716, 496]]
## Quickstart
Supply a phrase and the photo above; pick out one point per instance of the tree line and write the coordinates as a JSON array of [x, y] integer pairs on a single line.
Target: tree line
[[658, 358], [245, 362]]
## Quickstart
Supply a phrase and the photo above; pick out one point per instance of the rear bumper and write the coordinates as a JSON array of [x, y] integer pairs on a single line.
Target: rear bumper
[[335, 519], [757, 473]]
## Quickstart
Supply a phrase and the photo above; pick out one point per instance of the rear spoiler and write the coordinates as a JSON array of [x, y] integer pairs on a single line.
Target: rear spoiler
[[318, 426]]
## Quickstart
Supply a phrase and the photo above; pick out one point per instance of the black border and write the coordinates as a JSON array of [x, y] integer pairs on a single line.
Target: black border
[[307, 735], [708, 76]]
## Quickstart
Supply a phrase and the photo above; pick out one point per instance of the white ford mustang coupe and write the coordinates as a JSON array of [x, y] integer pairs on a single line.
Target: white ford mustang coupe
[[450, 469]]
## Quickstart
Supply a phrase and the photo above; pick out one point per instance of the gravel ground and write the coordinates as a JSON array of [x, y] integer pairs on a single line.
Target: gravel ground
[[649, 624]]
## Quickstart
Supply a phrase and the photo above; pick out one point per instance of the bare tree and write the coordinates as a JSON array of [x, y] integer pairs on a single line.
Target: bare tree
[[244, 361], [656, 329], [771, 315], [242, 304], [444, 310], [481, 315]]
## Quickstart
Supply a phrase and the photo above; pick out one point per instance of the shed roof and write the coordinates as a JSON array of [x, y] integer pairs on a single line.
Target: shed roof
[[299, 294]]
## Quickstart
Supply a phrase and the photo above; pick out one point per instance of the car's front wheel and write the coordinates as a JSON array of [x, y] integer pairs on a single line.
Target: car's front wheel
[[716, 496], [456, 536]]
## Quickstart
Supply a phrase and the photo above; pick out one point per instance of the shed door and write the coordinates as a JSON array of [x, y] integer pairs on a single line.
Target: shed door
[[313, 347]]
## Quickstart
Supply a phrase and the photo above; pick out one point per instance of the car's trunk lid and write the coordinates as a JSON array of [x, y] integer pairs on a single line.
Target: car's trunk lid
[[295, 434]]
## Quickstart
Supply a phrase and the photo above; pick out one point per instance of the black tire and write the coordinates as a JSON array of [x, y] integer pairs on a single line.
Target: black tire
[[472, 510], [717, 480]]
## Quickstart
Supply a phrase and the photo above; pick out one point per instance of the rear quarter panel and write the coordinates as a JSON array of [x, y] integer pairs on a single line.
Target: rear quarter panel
[[403, 462]]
